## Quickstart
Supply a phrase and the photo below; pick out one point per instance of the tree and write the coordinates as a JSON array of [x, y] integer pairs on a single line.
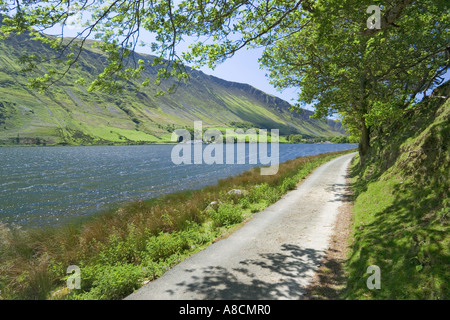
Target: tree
[[327, 48], [369, 78], [295, 138]]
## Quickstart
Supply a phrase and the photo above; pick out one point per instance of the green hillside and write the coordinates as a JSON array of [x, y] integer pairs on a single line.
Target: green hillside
[[402, 208], [68, 114]]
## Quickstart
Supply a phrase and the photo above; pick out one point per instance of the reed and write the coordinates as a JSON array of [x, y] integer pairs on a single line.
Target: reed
[[141, 238]]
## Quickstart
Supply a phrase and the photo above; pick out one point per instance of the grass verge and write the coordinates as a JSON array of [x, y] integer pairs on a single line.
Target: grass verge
[[118, 251], [401, 211]]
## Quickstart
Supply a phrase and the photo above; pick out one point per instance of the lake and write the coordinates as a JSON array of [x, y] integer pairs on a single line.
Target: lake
[[52, 185]]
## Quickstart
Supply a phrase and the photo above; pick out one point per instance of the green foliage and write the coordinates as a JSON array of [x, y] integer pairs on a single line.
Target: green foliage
[[402, 210], [108, 282], [288, 184], [340, 140], [226, 215], [259, 192], [119, 250], [295, 138], [164, 245], [357, 72], [244, 202]]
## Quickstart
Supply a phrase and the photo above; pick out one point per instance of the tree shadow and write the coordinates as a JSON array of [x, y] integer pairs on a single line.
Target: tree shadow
[[288, 271], [331, 280], [341, 192], [408, 240]]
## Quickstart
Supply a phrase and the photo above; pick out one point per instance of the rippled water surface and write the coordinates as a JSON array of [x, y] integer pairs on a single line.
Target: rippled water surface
[[51, 185]]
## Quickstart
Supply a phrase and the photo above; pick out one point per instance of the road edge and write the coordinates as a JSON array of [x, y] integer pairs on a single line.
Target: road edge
[[330, 279]]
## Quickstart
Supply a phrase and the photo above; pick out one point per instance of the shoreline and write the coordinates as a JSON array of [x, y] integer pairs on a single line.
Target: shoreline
[[25, 220], [176, 225], [139, 144]]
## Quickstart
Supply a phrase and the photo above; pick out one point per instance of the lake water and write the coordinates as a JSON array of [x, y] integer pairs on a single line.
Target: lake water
[[51, 185]]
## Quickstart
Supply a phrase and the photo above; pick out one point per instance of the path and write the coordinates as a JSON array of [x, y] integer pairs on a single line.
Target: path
[[273, 256]]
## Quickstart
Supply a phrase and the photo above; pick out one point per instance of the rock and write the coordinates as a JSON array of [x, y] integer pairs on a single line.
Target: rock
[[61, 293], [237, 192], [213, 205]]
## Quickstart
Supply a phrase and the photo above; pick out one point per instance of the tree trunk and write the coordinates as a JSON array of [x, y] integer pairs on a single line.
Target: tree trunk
[[364, 143]]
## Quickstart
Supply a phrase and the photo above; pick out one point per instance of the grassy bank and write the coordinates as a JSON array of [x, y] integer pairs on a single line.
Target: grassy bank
[[401, 210], [119, 250]]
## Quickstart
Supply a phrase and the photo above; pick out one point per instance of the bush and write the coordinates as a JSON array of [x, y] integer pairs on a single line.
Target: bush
[[259, 192], [166, 244], [273, 195], [245, 203], [264, 193], [226, 215], [288, 184], [108, 282], [121, 249]]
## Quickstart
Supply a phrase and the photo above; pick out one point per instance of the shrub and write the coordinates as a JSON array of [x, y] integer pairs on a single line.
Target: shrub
[[226, 215], [108, 282], [288, 184], [273, 195], [166, 244], [244, 202], [259, 192], [264, 193]]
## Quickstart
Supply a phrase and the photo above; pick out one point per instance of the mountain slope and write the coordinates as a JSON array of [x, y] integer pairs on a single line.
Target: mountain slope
[[68, 114]]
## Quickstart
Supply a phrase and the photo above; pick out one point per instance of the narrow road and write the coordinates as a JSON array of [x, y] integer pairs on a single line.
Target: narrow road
[[273, 256]]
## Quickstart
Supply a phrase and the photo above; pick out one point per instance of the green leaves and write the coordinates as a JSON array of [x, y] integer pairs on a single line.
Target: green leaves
[[226, 27], [369, 80]]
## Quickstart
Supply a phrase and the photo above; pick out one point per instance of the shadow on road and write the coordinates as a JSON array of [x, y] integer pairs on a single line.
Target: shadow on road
[[341, 192], [286, 274]]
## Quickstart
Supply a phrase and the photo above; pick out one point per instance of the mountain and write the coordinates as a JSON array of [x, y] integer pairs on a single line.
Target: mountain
[[68, 114]]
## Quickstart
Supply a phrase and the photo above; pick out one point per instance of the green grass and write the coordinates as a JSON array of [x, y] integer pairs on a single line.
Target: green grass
[[118, 250], [114, 134], [401, 212]]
